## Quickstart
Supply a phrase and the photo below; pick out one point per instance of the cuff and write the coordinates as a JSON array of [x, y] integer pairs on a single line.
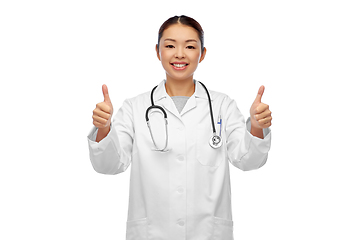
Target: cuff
[[266, 132], [92, 137]]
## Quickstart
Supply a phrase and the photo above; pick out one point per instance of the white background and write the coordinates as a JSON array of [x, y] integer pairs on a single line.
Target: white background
[[55, 55]]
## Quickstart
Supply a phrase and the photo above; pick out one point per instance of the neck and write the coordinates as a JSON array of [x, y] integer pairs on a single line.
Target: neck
[[180, 88]]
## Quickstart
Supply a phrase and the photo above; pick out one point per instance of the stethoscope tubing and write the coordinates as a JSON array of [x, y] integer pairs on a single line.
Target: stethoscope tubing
[[152, 107], [215, 140], [210, 106]]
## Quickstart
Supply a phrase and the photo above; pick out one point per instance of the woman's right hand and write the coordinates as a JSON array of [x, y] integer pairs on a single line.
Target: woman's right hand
[[103, 112]]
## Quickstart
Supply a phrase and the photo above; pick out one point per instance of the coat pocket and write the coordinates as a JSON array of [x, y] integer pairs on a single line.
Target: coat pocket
[[205, 154], [223, 229], [137, 229]]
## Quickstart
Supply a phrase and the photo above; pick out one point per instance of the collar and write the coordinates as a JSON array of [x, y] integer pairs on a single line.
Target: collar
[[160, 91]]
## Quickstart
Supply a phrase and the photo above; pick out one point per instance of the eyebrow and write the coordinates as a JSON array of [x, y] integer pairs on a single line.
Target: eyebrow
[[173, 40]]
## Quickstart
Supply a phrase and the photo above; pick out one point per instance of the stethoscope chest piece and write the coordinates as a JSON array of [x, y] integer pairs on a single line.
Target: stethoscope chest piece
[[215, 141]]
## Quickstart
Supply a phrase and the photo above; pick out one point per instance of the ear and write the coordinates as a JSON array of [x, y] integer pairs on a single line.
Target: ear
[[157, 52], [203, 55]]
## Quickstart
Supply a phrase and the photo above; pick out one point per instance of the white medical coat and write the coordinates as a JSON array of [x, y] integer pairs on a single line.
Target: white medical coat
[[182, 194]]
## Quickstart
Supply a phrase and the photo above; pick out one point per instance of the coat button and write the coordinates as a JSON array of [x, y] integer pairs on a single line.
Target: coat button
[[180, 158], [180, 190], [181, 223]]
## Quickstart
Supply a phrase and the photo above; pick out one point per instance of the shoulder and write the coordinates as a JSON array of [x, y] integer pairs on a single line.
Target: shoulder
[[223, 101], [145, 96], [220, 97]]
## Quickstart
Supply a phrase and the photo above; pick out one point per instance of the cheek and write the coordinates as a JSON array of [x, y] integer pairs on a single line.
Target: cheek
[[165, 54], [196, 56]]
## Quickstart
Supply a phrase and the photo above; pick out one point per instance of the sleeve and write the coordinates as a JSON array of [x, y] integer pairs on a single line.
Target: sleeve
[[244, 150], [112, 155]]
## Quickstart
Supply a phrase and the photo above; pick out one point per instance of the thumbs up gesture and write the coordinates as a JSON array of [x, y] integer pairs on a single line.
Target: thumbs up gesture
[[260, 114], [103, 111]]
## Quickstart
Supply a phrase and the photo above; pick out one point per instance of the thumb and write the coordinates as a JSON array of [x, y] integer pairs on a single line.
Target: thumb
[[259, 95], [106, 94]]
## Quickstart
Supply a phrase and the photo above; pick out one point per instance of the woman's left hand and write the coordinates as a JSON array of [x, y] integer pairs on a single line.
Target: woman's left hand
[[260, 114]]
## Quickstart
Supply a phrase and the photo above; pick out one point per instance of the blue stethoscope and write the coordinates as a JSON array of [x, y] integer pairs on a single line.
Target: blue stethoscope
[[215, 141]]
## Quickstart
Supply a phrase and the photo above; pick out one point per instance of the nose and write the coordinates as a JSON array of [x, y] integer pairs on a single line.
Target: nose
[[179, 53]]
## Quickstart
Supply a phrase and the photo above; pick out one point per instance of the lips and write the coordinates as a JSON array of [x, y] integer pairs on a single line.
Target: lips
[[179, 65]]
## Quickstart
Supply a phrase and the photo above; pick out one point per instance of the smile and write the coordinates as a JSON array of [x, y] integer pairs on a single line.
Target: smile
[[179, 66]]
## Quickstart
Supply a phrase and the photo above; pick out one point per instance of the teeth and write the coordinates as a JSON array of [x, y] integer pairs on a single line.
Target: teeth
[[179, 65]]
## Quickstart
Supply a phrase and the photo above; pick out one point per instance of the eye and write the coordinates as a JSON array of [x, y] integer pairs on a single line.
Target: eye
[[191, 47], [169, 46]]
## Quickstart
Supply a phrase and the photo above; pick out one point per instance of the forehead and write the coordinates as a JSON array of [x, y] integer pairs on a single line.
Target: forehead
[[180, 32]]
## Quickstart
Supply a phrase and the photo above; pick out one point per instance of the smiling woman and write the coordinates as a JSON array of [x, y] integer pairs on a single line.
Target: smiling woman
[[180, 179]]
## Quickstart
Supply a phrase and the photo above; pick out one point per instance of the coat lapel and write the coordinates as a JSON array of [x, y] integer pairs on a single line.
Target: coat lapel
[[190, 104], [161, 98], [169, 106]]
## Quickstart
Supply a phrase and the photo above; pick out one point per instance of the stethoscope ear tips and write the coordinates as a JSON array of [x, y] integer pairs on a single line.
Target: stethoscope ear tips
[[215, 141]]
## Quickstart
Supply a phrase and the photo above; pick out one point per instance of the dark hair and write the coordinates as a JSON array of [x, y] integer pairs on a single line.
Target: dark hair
[[185, 20]]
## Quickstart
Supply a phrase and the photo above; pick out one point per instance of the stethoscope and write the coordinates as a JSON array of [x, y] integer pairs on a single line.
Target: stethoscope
[[215, 141]]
